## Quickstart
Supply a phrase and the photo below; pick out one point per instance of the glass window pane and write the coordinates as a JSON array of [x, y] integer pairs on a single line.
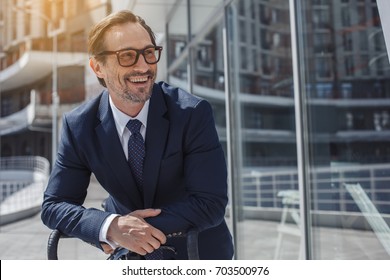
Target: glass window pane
[[264, 148], [202, 12], [347, 101], [177, 32]]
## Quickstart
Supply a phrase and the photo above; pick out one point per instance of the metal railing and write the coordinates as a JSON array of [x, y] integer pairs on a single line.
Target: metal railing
[[22, 183], [260, 189], [9, 188], [29, 163]]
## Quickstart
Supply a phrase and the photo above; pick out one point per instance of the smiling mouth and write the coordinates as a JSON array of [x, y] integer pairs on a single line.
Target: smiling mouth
[[138, 79]]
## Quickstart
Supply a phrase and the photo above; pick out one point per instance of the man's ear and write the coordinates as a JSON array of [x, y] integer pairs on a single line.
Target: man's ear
[[96, 67]]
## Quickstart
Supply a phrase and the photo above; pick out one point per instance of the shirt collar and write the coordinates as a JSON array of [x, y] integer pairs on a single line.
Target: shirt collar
[[121, 119]]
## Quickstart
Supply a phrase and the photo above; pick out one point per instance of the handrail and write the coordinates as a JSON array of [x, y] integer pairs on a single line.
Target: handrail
[[260, 188], [22, 183], [32, 163]]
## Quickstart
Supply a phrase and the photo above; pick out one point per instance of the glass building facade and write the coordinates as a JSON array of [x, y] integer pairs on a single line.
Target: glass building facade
[[300, 91], [301, 97]]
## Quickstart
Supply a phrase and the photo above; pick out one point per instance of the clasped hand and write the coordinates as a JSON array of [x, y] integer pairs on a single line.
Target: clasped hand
[[134, 233]]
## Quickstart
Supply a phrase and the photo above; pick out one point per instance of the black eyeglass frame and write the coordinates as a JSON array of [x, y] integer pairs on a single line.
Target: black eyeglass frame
[[138, 51]]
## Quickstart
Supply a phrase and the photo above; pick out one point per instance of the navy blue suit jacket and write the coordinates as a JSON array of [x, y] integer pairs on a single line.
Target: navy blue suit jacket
[[184, 172]]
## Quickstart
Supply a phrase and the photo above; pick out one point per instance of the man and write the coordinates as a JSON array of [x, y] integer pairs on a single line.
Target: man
[[165, 177]]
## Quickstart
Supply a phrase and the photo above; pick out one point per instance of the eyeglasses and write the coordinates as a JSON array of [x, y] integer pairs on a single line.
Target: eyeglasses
[[128, 57]]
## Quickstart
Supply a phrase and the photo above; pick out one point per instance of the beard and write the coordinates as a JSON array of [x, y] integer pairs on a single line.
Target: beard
[[141, 96], [132, 92]]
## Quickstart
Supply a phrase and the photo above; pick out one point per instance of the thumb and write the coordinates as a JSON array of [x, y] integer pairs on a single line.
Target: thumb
[[146, 213]]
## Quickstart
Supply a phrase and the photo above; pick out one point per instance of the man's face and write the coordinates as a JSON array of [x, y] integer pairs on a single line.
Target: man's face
[[134, 83]]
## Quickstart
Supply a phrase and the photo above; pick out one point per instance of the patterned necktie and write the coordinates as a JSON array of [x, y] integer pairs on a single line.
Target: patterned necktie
[[136, 150]]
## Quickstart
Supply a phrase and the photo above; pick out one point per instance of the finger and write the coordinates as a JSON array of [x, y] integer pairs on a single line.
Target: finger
[[148, 248], [139, 250], [107, 248], [155, 243], [159, 235], [137, 246]]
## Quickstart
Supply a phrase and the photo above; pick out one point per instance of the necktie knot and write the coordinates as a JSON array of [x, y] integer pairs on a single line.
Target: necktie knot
[[134, 126]]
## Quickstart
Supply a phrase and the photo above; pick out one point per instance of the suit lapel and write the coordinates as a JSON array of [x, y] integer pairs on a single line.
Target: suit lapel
[[113, 152], [156, 137]]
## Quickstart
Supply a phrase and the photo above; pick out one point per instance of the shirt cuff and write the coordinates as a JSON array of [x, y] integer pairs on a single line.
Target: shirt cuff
[[104, 229]]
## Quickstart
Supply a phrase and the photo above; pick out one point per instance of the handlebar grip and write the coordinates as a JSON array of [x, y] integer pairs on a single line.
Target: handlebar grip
[[52, 244]]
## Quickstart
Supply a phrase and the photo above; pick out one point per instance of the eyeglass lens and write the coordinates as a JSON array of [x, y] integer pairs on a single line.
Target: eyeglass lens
[[130, 57]]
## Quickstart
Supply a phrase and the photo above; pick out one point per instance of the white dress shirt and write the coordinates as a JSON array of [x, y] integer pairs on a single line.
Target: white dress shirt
[[121, 120]]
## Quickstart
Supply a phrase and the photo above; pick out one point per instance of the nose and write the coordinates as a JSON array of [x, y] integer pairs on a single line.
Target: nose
[[141, 63]]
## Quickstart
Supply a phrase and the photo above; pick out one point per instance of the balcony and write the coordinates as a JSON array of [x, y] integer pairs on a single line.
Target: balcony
[[35, 65], [19, 120], [22, 180], [34, 116]]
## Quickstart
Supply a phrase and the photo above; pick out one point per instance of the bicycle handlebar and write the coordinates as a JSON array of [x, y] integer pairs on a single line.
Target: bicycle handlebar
[[119, 253]]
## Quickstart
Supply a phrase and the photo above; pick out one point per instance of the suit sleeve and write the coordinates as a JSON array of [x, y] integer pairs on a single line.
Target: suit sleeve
[[66, 191], [205, 177]]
